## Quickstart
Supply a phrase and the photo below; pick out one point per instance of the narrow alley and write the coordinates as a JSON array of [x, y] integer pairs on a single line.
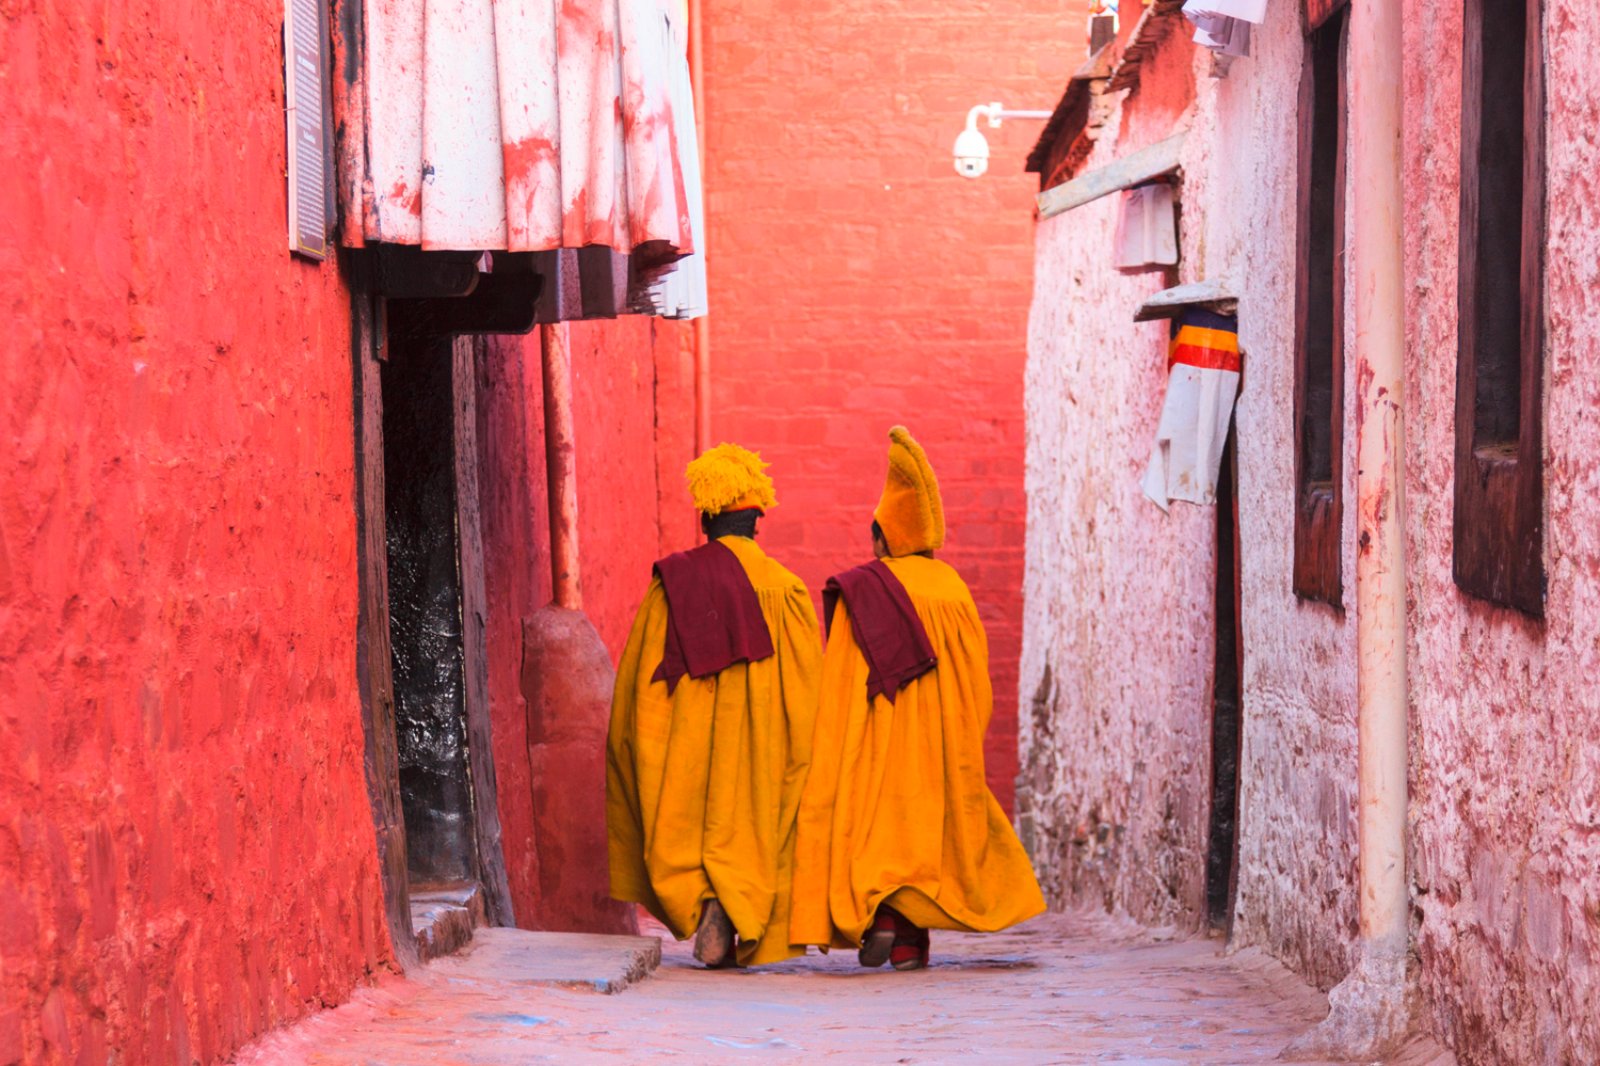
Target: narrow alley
[[520, 519], [1068, 988]]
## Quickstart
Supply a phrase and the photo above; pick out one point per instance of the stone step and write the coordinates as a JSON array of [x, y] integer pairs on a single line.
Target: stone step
[[444, 916], [594, 962]]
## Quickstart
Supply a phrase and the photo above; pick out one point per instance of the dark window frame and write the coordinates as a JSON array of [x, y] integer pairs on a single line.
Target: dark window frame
[[1319, 315], [1499, 475]]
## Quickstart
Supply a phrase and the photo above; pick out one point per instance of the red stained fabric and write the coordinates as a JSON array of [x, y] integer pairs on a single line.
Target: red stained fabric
[[714, 617], [886, 626], [523, 125]]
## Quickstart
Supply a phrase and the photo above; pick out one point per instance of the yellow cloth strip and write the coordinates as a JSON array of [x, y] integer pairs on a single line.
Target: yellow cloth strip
[[1221, 339]]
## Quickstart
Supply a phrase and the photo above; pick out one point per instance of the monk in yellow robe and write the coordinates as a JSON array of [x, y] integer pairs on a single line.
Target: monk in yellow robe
[[711, 728], [899, 832]]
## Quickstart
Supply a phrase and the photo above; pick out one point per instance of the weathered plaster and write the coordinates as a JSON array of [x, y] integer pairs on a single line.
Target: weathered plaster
[[1505, 805], [1116, 646], [1119, 598], [1505, 810], [1297, 855], [186, 847]]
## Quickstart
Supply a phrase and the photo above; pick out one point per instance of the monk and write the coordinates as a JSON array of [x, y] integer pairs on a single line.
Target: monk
[[711, 727], [898, 830]]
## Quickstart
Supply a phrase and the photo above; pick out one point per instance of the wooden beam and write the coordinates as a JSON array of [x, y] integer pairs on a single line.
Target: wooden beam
[[1168, 303], [374, 667], [499, 303], [405, 272], [1158, 159], [492, 876]]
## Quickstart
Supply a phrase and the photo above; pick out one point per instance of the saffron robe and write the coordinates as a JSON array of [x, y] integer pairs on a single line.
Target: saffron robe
[[703, 780], [896, 809]]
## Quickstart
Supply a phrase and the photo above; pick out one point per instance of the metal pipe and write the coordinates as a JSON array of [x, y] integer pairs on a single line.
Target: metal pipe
[[702, 386], [1375, 90], [561, 465], [994, 112], [1368, 1014], [702, 333]]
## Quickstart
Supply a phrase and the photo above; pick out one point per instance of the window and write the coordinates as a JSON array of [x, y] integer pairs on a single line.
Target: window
[[1319, 317], [305, 57], [1499, 494]]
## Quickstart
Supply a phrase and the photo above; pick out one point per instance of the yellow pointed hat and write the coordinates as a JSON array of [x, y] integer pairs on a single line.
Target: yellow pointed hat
[[729, 478], [910, 512]]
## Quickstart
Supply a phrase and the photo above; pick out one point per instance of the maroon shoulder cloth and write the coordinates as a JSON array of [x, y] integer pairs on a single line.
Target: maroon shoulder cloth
[[714, 617], [886, 626]]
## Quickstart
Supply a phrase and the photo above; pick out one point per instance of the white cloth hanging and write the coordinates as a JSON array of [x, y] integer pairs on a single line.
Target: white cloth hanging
[[1224, 25], [1147, 228], [1202, 383], [1227, 36], [1248, 10]]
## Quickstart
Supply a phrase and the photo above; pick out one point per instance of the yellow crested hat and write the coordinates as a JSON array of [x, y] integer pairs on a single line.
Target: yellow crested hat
[[729, 478], [910, 512]]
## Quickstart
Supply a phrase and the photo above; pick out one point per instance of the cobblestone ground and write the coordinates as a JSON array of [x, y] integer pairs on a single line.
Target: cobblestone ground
[[1061, 989]]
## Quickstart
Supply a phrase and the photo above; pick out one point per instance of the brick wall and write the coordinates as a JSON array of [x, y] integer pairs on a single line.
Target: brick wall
[[857, 281]]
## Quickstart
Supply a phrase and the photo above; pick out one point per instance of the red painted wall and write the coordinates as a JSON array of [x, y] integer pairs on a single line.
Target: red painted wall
[[186, 847], [633, 409], [858, 281]]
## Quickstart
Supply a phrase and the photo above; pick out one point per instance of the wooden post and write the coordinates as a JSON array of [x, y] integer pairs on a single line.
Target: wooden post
[[373, 665], [492, 877]]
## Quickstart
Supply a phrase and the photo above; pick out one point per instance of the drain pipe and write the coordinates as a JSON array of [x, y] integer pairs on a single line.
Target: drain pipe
[[561, 465], [702, 335], [567, 680], [1368, 1011]]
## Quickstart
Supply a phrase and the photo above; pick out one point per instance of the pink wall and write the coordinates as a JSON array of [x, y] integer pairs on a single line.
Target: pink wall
[[633, 408], [1117, 641], [186, 847], [1297, 852], [1505, 778], [1506, 767], [1120, 598], [858, 281]]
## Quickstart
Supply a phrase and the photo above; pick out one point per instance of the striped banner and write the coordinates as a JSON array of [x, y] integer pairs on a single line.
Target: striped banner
[[1204, 339]]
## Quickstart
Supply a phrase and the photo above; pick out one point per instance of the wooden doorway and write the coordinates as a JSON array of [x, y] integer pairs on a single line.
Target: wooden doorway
[[1227, 709], [421, 643]]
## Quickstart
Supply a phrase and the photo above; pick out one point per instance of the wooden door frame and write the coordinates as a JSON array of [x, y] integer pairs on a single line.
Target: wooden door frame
[[491, 864], [374, 665], [1230, 471]]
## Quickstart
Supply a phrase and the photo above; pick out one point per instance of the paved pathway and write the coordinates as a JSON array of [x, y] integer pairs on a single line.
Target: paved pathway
[[1062, 989]]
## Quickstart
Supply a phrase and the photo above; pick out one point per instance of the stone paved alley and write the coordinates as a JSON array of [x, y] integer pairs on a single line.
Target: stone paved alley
[[1066, 988]]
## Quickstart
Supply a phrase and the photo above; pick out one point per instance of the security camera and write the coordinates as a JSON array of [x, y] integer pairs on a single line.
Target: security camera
[[972, 150], [972, 153]]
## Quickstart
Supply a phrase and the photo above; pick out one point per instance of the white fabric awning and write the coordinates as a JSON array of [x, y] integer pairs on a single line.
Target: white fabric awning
[[518, 125]]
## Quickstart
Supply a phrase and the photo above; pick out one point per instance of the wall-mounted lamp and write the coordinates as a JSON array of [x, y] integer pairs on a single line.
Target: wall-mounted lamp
[[972, 150]]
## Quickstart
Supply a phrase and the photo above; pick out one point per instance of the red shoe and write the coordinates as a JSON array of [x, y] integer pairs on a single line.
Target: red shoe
[[910, 951], [879, 942]]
